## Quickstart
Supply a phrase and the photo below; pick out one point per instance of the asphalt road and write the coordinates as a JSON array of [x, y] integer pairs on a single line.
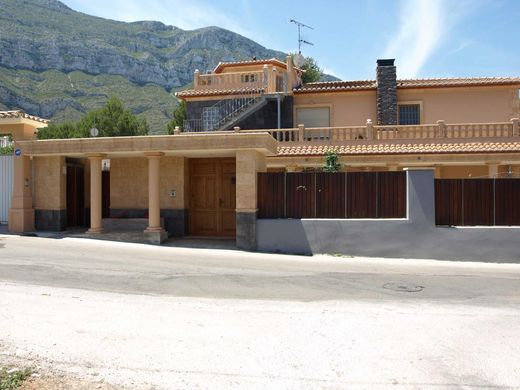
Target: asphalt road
[[150, 317], [145, 269]]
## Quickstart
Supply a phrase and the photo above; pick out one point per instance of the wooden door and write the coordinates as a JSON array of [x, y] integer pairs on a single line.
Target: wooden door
[[105, 194], [212, 197], [75, 195]]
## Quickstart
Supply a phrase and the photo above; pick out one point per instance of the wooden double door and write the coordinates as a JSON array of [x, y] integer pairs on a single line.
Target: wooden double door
[[212, 197]]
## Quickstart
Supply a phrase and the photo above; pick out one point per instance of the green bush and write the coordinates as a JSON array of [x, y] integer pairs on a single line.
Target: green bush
[[11, 379]]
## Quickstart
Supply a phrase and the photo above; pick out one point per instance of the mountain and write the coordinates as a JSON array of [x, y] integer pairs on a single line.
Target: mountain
[[59, 63]]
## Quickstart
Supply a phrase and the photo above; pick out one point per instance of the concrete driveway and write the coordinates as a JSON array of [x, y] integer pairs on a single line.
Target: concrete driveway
[[177, 318]]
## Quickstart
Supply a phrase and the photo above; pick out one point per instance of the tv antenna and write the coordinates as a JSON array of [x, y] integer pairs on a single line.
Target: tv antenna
[[300, 40]]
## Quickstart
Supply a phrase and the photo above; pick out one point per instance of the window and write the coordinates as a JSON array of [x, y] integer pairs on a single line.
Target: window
[[249, 78], [409, 114], [210, 118], [313, 117]]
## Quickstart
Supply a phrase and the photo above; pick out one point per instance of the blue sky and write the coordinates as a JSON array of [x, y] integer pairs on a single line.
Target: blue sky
[[428, 38]]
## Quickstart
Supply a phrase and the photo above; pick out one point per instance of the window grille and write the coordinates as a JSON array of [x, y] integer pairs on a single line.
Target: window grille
[[409, 114]]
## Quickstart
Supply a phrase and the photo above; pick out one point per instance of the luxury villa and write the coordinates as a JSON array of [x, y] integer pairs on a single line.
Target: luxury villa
[[247, 163]]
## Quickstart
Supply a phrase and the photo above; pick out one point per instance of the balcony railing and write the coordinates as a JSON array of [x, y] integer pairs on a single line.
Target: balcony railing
[[371, 132], [238, 80]]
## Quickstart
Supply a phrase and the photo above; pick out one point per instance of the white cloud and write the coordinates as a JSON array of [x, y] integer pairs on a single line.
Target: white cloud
[[420, 33]]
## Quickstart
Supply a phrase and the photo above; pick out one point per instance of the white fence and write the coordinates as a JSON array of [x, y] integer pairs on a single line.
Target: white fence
[[6, 186], [4, 141]]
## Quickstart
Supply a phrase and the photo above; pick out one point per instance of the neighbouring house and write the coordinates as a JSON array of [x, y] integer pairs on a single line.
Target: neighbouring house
[[247, 162]]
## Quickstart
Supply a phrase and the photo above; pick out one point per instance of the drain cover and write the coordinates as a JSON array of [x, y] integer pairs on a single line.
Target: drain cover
[[403, 287]]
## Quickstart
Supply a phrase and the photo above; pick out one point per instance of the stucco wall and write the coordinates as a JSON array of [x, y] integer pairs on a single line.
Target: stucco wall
[[129, 183], [49, 183], [346, 109], [464, 105], [453, 105], [413, 237]]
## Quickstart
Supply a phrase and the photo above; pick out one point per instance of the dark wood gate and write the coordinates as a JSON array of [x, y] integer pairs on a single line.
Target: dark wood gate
[[105, 194], [75, 195], [332, 195], [477, 202]]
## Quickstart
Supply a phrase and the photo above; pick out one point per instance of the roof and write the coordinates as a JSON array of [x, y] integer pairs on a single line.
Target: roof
[[271, 61], [436, 147], [215, 92], [21, 114], [364, 85]]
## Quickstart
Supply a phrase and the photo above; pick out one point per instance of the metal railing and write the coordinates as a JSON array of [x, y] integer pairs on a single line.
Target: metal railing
[[5, 142], [225, 111]]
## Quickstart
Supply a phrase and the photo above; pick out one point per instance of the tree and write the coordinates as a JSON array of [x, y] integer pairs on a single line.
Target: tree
[[112, 120], [179, 116], [312, 72], [331, 162]]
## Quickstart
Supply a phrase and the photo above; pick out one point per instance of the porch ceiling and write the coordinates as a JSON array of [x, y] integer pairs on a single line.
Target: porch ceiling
[[191, 145]]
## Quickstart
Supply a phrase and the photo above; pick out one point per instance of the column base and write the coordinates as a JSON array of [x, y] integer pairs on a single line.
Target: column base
[[95, 230], [21, 220], [156, 236], [246, 230]]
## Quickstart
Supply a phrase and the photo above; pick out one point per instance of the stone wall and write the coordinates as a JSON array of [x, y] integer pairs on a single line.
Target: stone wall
[[386, 92]]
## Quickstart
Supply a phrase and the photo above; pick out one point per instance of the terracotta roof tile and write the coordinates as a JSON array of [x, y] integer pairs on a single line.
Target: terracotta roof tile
[[333, 86], [399, 148], [21, 114], [215, 92]]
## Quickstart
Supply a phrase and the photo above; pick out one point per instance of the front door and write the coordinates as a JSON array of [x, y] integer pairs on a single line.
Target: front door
[[212, 197], [75, 195]]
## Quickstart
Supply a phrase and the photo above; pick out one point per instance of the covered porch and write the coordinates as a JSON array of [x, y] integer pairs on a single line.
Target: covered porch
[[196, 185]]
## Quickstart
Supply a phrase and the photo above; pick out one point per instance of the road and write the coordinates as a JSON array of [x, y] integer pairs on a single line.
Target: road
[[177, 318]]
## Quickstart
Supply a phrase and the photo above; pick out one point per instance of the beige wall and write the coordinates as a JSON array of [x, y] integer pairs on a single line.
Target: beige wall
[[464, 105], [49, 183], [129, 183], [461, 172], [453, 105], [347, 109]]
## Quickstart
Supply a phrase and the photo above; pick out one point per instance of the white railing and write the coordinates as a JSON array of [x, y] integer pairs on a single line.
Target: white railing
[[380, 133], [249, 80], [5, 142]]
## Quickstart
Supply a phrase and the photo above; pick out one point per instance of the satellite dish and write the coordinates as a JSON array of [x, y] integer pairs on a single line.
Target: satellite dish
[[299, 60], [94, 132]]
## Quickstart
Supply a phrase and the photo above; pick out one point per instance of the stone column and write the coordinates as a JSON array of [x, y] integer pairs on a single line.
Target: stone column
[[156, 233], [248, 163], [493, 170], [96, 221], [21, 213], [438, 171]]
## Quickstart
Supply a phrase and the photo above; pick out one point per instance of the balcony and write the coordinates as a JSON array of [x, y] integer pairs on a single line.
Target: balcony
[[374, 133]]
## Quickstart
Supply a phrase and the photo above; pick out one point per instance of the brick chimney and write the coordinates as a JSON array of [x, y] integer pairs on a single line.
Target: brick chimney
[[386, 92]]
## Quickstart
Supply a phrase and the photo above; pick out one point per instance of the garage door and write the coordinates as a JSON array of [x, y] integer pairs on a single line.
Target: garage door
[[313, 117], [6, 186]]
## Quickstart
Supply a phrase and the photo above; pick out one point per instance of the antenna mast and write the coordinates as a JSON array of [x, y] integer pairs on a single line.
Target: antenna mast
[[300, 40]]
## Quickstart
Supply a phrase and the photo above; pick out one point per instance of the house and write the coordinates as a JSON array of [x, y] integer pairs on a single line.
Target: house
[[441, 115], [255, 136]]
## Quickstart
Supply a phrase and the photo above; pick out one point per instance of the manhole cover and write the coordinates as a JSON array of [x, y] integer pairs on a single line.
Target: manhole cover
[[403, 287]]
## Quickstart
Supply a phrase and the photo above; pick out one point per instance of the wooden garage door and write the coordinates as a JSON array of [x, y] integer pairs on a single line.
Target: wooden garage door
[[212, 197]]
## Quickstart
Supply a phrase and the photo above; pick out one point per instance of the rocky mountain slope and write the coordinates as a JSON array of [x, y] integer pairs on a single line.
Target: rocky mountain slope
[[59, 63]]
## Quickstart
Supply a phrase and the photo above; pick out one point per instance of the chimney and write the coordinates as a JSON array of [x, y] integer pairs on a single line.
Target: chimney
[[386, 79]]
